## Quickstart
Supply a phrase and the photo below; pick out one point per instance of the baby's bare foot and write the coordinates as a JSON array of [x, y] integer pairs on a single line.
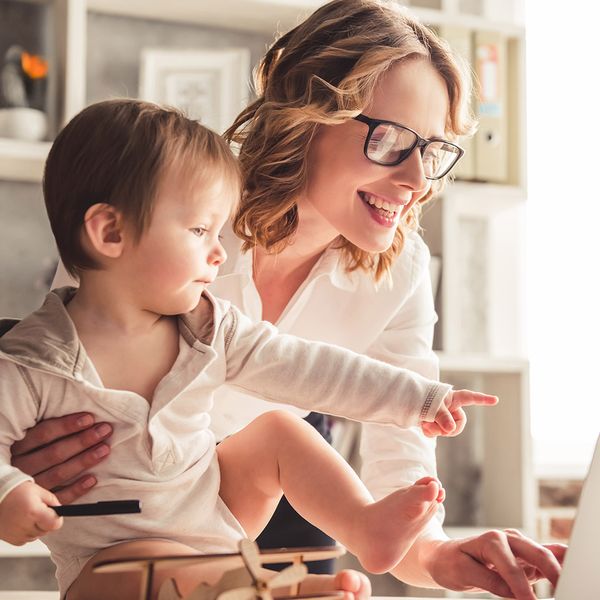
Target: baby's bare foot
[[354, 584], [391, 525]]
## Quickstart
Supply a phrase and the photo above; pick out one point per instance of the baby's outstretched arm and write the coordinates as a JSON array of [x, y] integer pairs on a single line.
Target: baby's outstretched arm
[[25, 514], [451, 419]]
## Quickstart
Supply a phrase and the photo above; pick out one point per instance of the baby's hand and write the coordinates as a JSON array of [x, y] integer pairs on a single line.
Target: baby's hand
[[451, 419], [25, 514]]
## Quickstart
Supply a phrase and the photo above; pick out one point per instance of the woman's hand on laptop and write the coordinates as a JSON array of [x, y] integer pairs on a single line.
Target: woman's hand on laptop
[[505, 563], [58, 452]]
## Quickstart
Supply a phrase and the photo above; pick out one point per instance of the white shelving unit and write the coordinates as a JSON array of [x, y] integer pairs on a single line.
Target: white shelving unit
[[508, 497], [21, 160], [31, 549], [507, 486], [263, 16]]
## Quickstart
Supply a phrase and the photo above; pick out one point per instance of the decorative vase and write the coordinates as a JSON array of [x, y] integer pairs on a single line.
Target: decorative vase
[[23, 123]]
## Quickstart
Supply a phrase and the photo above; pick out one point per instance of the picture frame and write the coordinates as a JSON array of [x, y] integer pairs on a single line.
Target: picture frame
[[209, 85]]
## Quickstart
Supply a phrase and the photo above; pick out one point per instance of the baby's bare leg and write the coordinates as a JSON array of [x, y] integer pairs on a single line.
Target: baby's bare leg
[[280, 453]]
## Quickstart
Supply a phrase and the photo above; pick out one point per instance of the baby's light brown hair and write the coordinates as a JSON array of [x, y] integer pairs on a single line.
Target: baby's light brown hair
[[117, 152]]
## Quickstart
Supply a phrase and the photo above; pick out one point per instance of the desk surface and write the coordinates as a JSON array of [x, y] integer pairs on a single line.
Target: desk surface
[[54, 596]]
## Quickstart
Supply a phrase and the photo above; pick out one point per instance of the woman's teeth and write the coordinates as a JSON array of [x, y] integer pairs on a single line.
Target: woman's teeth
[[386, 209]]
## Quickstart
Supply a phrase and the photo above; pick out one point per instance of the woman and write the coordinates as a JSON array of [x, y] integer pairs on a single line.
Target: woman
[[352, 132]]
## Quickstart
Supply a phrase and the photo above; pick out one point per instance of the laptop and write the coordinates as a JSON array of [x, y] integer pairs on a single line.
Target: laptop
[[580, 577]]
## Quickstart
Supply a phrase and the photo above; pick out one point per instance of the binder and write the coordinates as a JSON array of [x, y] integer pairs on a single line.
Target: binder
[[491, 140], [461, 42]]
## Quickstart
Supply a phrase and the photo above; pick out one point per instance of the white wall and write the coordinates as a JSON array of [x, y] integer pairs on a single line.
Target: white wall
[[564, 229]]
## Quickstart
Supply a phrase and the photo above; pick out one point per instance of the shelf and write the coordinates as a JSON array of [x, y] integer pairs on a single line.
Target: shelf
[[30, 595], [487, 194], [36, 548], [475, 363], [456, 532], [261, 16], [21, 160], [438, 18], [265, 16]]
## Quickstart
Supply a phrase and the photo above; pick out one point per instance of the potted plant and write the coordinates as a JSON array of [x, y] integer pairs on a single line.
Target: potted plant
[[23, 81]]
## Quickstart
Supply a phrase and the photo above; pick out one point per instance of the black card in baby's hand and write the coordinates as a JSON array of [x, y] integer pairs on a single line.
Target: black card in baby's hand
[[110, 507]]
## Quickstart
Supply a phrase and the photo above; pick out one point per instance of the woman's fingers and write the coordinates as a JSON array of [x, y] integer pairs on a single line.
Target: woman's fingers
[[457, 565], [559, 551], [50, 430], [64, 473], [505, 563], [55, 453], [60, 463], [541, 558], [492, 549], [75, 490], [479, 577]]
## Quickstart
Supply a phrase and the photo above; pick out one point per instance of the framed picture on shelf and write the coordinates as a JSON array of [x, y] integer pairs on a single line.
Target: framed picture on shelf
[[209, 85]]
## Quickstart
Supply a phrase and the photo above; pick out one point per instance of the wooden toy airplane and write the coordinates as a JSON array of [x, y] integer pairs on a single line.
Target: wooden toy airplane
[[243, 578]]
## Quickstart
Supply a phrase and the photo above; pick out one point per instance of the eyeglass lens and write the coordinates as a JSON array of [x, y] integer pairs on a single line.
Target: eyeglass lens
[[390, 144]]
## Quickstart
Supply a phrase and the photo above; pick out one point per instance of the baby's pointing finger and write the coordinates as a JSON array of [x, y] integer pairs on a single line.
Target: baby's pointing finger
[[468, 398]]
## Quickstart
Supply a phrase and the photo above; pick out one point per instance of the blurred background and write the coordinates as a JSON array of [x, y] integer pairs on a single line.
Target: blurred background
[[513, 239]]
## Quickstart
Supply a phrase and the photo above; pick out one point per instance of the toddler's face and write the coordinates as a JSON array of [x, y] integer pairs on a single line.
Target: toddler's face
[[180, 253]]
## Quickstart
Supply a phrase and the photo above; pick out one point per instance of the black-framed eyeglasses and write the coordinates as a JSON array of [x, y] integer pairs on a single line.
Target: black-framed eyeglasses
[[388, 143]]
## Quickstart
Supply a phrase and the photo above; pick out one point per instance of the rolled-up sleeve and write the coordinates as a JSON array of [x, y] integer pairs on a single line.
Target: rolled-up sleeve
[[393, 457], [326, 378]]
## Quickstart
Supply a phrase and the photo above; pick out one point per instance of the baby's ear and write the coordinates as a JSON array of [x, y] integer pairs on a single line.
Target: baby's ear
[[103, 227]]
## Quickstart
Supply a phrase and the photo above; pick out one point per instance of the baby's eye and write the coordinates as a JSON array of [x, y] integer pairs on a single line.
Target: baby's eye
[[199, 231]]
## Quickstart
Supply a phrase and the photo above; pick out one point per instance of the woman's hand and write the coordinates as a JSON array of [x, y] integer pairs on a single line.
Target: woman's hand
[[505, 563], [58, 452]]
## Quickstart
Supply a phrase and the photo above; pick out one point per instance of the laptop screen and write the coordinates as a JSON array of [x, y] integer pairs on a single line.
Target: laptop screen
[[580, 578]]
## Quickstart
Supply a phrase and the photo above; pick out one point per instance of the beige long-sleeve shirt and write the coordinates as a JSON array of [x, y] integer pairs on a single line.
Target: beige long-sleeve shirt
[[163, 452]]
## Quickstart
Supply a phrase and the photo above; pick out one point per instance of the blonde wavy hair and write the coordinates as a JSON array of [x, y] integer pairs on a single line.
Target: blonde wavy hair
[[324, 72]]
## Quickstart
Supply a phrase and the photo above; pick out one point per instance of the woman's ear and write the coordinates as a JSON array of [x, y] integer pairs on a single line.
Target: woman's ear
[[103, 228]]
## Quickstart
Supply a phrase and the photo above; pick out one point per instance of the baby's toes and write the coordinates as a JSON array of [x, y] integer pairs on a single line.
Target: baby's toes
[[428, 489], [353, 582]]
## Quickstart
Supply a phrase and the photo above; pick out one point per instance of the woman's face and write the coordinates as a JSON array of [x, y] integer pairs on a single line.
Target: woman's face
[[344, 187]]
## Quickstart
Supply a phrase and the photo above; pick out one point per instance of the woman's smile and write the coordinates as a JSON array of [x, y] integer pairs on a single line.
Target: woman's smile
[[381, 210]]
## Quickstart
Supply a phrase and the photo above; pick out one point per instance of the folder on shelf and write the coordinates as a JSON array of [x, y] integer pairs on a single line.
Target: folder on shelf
[[491, 140], [461, 42]]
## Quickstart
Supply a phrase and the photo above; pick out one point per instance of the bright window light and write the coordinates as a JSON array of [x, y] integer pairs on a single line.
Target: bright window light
[[563, 237]]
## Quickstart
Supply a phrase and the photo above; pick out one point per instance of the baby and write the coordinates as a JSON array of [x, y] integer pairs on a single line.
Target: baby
[[137, 196]]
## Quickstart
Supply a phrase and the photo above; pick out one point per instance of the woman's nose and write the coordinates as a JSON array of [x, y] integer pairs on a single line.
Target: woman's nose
[[410, 173]]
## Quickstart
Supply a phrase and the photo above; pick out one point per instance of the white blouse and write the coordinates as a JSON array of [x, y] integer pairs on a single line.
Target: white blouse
[[391, 324]]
